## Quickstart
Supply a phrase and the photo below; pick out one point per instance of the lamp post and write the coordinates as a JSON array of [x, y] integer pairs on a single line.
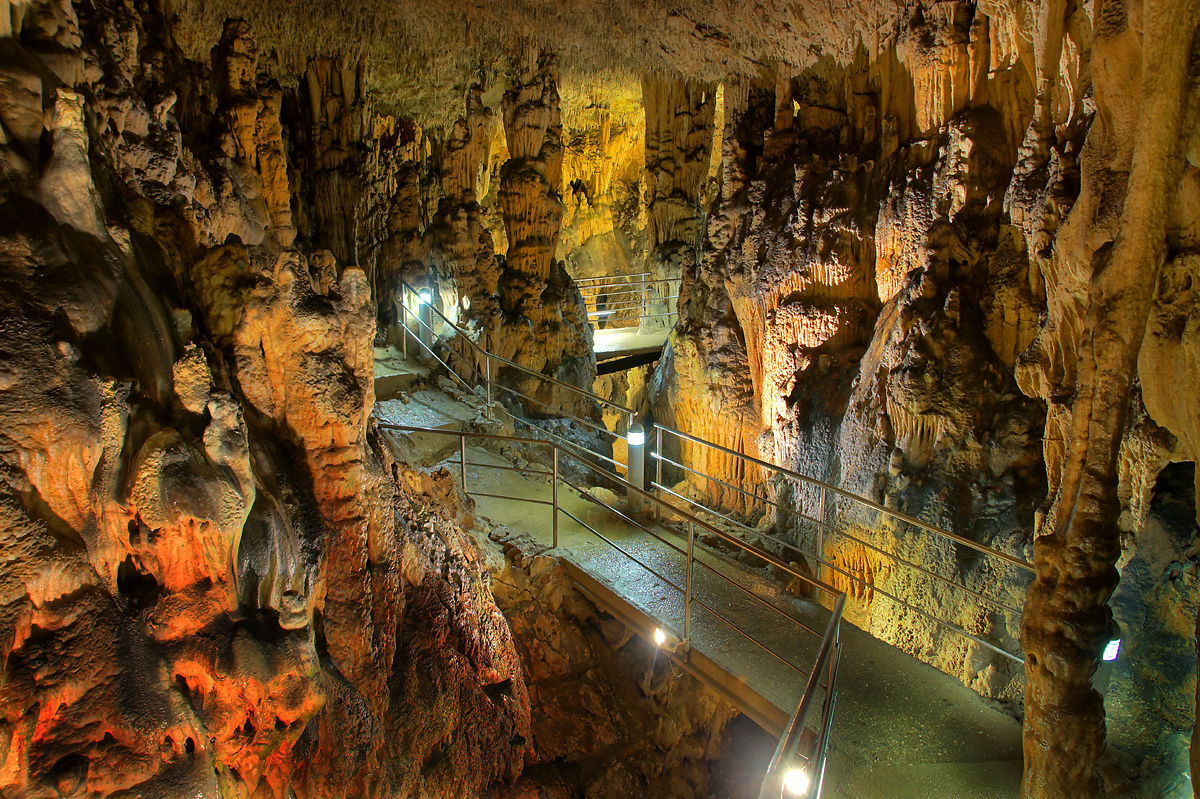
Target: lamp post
[[637, 466], [425, 322]]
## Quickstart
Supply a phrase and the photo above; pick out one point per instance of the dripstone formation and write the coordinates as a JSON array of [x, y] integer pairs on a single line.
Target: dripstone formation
[[944, 255]]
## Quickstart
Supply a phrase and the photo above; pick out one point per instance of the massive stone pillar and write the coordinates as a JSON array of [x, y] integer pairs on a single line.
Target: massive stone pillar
[[679, 137], [543, 320], [1131, 161]]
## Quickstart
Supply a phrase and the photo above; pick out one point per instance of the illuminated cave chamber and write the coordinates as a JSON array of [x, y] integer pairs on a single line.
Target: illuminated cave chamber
[[932, 260]]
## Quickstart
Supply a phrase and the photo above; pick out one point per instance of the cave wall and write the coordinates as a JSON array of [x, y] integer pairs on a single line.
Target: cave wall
[[905, 265], [216, 581], [940, 253]]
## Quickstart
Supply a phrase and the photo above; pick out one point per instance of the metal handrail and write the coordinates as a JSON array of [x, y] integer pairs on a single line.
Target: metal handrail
[[901, 516], [491, 357], [783, 759], [828, 655], [822, 526], [579, 280], [630, 296]]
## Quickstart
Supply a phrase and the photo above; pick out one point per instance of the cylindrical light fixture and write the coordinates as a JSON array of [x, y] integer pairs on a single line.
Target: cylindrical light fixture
[[637, 466]]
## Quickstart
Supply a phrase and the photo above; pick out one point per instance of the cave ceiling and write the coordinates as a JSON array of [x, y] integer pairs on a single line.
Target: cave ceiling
[[419, 57]]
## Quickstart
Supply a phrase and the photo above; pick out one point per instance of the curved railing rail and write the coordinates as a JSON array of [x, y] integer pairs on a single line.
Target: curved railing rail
[[483, 368], [796, 753]]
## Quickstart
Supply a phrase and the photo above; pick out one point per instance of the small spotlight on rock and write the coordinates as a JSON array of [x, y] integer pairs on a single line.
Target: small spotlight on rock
[[660, 637], [424, 297], [796, 781], [1112, 650]]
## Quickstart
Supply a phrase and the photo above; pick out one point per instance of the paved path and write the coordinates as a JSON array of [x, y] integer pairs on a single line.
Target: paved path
[[902, 728], [616, 342]]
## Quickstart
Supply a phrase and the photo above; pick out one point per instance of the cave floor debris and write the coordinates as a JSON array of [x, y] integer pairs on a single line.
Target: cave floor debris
[[902, 728]]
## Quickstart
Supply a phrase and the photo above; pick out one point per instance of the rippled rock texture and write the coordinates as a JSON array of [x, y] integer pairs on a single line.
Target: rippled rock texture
[[215, 581], [939, 253]]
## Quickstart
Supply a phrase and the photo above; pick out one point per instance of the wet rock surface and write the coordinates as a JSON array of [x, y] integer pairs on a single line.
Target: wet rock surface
[[941, 254]]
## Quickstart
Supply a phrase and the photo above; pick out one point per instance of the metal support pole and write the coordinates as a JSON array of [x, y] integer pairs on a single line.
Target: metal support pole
[[658, 456], [487, 379], [822, 572], [687, 587], [462, 454], [403, 326], [554, 499], [637, 466], [425, 316]]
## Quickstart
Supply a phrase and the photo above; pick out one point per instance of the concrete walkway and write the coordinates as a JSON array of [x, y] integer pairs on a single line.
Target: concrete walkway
[[617, 342], [902, 728]]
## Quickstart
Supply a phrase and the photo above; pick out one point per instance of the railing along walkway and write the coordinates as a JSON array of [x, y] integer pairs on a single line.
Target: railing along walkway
[[765, 651], [999, 579], [829, 520]]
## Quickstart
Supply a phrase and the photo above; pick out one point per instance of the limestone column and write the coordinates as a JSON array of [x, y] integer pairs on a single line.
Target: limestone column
[[1067, 619], [543, 320], [679, 135]]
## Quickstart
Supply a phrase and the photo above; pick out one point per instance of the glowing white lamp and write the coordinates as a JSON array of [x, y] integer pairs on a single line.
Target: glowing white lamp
[[660, 637], [637, 465], [424, 297], [1112, 650], [796, 781]]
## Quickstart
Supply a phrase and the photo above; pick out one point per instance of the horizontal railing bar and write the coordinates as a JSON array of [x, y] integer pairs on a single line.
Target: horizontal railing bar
[[619, 548], [579, 280], [518, 366], [547, 378], [832, 527], [683, 552], [610, 296], [449, 369], [904, 517], [463, 434], [698, 473], [573, 449], [729, 623], [873, 587], [514, 499], [686, 516], [477, 465], [626, 290], [593, 425]]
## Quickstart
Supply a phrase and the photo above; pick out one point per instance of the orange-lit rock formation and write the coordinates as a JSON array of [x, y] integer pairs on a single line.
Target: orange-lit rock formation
[[941, 254]]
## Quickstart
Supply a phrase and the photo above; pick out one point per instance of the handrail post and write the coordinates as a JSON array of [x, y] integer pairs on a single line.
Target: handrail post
[[687, 590], [645, 299], [657, 468], [462, 456], [554, 497], [403, 324], [822, 572], [487, 366]]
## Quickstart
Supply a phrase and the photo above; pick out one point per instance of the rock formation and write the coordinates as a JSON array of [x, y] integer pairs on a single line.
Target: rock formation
[[543, 322], [940, 254]]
